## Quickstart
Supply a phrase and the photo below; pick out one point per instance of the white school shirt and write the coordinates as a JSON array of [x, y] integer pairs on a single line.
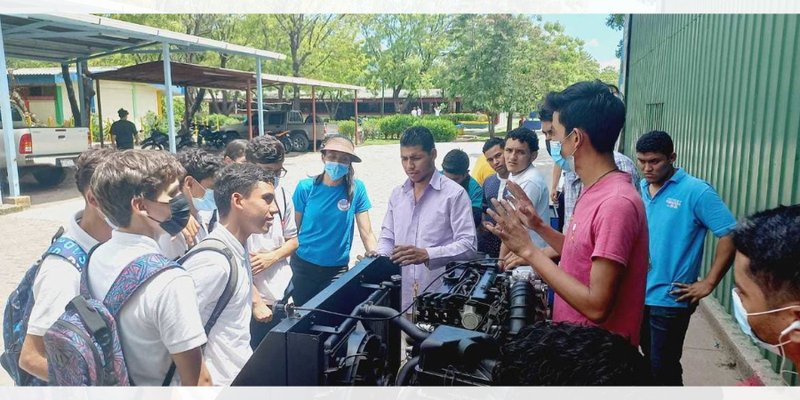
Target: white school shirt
[[160, 319], [272, 282], [57, 282], [228, 347]]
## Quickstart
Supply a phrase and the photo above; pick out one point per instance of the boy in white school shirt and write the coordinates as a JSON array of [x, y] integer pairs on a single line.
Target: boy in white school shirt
[[138, 192], [245, 200], [58, 281], [198, 187], [270, 252]]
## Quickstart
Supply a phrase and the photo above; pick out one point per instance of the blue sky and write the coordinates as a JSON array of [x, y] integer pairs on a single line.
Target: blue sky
[[600, 40]]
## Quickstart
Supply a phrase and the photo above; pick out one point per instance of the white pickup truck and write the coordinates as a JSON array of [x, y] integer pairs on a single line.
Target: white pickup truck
[[43, 152]]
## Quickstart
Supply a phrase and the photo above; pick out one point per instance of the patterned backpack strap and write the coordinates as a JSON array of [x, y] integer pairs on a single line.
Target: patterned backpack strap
[[69, 250], [134, 275]]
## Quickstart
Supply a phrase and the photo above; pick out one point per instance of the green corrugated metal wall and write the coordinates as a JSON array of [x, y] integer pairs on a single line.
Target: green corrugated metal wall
[[727, 89]]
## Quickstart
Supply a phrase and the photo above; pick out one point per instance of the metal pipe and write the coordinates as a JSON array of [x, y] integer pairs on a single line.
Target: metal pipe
[[314, 116], [405, 325], [260, 98], [99, 112], [355, 106], [8, 124], [249, 100], [405, 372], [168, 92]]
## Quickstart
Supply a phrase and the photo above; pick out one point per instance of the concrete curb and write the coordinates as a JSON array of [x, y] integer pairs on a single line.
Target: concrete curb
[[747, 355], [6, 209]]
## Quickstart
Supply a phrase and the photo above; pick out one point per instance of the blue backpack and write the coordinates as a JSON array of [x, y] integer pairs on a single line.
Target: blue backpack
[[20, 303], [83, 346]]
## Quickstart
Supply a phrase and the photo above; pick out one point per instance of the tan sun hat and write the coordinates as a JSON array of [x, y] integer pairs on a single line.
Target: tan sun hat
[[341, 144]]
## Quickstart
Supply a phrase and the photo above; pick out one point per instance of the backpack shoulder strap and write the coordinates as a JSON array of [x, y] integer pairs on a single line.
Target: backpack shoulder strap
[[133, 276], [216, 245], [85, 289], [69, 250]]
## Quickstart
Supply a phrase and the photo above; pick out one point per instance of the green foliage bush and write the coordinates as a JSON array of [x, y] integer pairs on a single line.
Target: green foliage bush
[[456, 117], [393, 126], [346, 128], [442, 129]]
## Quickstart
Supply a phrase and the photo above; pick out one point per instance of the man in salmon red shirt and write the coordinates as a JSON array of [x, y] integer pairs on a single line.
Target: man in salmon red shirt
[[604, 250]]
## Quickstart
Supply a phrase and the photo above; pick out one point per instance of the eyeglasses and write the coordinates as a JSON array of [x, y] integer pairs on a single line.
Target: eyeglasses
[[275, 173]]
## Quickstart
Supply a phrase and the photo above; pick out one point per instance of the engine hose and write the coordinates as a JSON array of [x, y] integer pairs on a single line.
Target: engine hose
[[406, 372], [405, 325], [518, 313]]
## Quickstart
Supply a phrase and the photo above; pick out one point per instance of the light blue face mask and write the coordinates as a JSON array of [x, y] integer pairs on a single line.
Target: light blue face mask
[[336, 170], [741, 314], [205, 203], [555, 152]]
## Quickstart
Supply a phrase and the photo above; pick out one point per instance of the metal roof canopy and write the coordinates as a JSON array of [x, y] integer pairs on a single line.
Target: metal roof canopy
[[194, 75], [69, 38]]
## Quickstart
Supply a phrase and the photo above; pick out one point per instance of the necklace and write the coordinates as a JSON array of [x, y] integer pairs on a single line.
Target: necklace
[[595, 183]]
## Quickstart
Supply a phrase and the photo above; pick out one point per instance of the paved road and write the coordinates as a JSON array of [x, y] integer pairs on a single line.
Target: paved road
[[26, 235]]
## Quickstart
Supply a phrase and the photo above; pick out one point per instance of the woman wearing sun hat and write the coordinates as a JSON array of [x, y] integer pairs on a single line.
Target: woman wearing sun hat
[[326, 209]]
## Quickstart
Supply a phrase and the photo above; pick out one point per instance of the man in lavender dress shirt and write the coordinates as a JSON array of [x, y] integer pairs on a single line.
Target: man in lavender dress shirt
[[429, 219]]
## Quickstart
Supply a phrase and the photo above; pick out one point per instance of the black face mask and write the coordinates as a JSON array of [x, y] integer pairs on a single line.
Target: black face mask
[[179, 208]]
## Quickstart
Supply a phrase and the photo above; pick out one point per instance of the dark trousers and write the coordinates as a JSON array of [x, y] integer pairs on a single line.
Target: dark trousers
[[309, 279], [663, 332]]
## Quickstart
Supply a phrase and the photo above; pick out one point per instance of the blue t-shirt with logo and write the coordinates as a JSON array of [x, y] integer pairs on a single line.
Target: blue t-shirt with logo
[[326, 231], [678, 217]]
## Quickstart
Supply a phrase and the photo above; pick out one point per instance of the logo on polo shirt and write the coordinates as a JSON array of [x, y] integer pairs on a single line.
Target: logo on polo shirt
[[673, 203], [343, 205]]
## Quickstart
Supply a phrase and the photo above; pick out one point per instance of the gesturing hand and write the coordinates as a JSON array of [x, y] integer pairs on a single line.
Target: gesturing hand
[[508, 226], [523, 204], [408, 255]]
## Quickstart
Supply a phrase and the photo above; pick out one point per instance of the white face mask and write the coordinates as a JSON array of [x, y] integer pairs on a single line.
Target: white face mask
[[741, 314]]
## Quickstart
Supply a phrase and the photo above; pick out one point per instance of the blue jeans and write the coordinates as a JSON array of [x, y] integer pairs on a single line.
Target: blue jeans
[[663, 332]]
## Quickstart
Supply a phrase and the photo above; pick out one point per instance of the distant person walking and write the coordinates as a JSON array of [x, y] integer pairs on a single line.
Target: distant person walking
[[123, 131]]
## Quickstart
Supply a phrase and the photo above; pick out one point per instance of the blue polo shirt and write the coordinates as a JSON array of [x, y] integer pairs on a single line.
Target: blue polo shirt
[[678, 217], [325, 235]]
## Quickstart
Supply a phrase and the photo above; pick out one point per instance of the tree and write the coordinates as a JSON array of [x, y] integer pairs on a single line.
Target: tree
[[480, 71], [617, 23], [403, 51]]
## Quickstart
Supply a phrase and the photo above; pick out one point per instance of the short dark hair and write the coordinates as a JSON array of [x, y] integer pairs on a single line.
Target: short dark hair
[[264, 150], [122, 112], [417, 136], [524, 135], [592, 107], [562, 354], [495, 141], [235, 149], [545, 113], [131, 174], [655, 142], [237, 178], [456, 161], [199, 163], [86, 164], [771, 240]]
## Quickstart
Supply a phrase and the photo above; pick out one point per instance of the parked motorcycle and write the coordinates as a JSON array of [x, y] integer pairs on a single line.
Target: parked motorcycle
[[157, 141]]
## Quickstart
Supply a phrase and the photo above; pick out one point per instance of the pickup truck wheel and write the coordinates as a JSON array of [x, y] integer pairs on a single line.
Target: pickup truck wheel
[[287, 143], [299, 141], [49, 177]]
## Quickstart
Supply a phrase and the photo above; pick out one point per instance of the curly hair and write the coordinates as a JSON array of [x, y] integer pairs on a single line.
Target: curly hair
[[771, 240], [561, 354], [264, 150], [199, 164]]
